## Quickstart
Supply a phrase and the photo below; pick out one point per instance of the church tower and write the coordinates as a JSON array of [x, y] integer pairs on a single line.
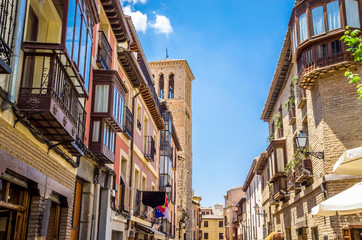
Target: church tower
[[173, 83]]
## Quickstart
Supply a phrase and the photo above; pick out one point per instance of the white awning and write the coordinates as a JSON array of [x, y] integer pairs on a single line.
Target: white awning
[[344, 203], [350, 162]]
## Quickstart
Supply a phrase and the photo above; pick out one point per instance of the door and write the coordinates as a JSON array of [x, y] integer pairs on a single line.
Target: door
[[74, 232]]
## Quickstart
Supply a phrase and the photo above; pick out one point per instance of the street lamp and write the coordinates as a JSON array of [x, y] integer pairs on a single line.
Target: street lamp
[[168, 188], [301, 142], [257, 210]]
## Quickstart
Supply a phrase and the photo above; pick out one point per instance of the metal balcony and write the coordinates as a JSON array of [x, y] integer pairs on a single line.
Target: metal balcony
[[149, 149], [104, 57]]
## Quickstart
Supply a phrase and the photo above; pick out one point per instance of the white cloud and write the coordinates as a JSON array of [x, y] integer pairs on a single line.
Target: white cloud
[[139, 19], [162, 25], [133, 2]]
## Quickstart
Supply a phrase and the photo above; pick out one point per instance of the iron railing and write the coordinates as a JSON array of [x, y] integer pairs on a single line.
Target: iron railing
[[149, 148], [7, 30], [128, 121], [45, 75], [104, 57]]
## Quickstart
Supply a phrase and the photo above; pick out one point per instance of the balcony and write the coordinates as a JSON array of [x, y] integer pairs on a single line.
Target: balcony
[[49, 100], [104, 58], [276, 158], [109, 94], [303, 171], [149, 149], [280, 188], [292, 117], [103, 140], [128, 122]]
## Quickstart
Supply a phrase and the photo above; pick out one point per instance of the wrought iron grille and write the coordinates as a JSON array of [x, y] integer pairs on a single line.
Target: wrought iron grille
[[128, 121], [150, 150], [7, 30], [104, 57]]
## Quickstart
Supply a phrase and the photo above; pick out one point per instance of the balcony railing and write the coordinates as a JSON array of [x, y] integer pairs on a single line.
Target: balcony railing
[[48, 99], [149, 149], [104, 58], [280, 188], [128, 121], [303, 171]]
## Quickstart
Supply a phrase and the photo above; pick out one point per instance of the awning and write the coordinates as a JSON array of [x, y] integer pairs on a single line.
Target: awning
[[350, 162], [270, 236], [344, 203], [146, 229]]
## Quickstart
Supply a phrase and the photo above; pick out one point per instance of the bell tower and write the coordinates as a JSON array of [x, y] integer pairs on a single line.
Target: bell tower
[[173, 82]]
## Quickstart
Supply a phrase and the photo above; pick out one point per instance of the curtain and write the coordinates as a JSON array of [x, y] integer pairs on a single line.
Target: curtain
[[318, 20], [303, 31], [95, 135], [334, 20], [101, 98], [352, 13]]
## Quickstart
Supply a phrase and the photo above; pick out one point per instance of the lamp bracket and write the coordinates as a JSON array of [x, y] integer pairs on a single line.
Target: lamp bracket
[[319, 155]]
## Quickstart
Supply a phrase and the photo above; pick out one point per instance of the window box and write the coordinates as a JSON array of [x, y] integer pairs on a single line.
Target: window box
[[102, 141], [109, 94], [49, 100]]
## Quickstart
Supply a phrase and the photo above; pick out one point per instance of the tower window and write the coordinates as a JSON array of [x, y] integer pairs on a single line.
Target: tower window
[[161, 86], [171, 86]]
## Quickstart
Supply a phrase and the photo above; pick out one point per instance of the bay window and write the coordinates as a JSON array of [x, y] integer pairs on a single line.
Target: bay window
[[118, 106], [334, 20], [352, 13], [303, 30], [101, 98], [318, 20], [109, 137]]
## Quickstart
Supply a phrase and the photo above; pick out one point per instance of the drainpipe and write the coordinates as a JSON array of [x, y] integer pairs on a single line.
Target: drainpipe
[[16, 54], [132, 140]]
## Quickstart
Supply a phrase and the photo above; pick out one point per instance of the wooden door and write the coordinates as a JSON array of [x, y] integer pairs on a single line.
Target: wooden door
[[74, 232]]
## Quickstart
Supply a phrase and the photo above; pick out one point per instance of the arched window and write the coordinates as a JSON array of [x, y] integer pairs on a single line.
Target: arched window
[[171, 86], [161, 86]]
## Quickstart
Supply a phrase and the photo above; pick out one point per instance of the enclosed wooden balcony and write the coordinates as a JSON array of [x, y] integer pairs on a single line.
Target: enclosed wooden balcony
[[277, 158], [109, 94], [149, 148], [103, 139], [49, 100], [280, 188], [316, 29], [304, 171]]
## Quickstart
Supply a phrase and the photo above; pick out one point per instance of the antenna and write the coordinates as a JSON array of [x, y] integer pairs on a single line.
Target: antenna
[[167, 54]]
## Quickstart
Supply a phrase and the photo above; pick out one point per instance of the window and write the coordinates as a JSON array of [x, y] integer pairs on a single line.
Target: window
[[54, 220], [118, 106], [101, 98], [315, 233], [352, 13], [95, 134], [322, 50], [171, 86], [318, 20], [303, 30], [334, 20], [108, 137], [206, 224], [221, 236], [336, 47], [309, 56], [206, 235], [161, 87], [288, 234], [221, 223]]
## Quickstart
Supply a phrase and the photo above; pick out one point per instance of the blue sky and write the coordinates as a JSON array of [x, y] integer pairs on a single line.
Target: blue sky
[[232, 47]]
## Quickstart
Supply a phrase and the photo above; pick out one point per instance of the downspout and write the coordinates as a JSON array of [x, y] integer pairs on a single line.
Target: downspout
[[132, 139], [16, 59]]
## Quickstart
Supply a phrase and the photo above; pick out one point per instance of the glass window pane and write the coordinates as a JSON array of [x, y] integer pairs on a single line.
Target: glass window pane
[[334, 20], [87, 65], [352, 13], [101, 98], [78, 23], [318, 20], [303, 31], [83, 47], [95, 134], [70, 26]]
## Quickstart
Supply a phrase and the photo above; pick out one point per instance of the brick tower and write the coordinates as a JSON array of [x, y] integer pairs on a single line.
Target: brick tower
[[173, 82]]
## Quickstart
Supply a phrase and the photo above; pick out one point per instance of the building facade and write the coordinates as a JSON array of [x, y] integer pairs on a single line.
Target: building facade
[[253, 221], [196, 218], [173, 83], [230, 212], [310, 93], [212, 223]]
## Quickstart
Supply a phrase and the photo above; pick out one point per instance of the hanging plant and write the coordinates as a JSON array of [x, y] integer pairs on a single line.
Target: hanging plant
[[289, 103], [278, 121], [270, 137]]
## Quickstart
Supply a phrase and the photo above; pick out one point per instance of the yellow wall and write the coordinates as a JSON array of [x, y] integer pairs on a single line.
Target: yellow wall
[[213, 229]]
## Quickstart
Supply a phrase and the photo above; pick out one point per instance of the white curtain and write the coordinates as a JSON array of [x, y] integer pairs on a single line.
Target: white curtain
[[352, 13], [303, 31], [101, 98], [334, 20], [95, 135], [318, 20]]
